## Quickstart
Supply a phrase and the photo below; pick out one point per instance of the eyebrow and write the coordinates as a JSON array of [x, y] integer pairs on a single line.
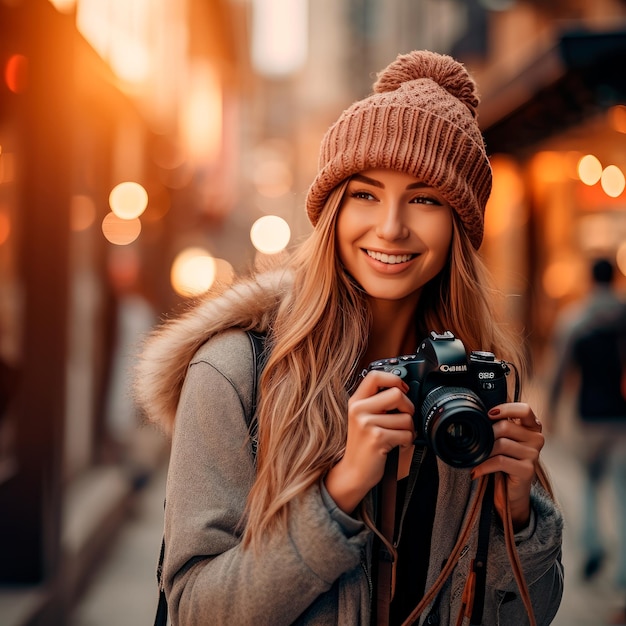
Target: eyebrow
[[377, 183]]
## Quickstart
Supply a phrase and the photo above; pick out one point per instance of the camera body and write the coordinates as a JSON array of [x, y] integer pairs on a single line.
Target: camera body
[[452, 393]]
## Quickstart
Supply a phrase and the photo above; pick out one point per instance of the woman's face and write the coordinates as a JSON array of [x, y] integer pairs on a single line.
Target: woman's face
[[393, 233]]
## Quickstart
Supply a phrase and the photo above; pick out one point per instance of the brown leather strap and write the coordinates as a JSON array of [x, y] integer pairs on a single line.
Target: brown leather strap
[[509, 537], [462, 539]]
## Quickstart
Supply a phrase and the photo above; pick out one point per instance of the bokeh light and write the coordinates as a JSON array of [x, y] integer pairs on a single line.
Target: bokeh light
[[270, 234], [193, 272], [16, 73], [612, 181], [128, 200], [119, 231], [589, 169]]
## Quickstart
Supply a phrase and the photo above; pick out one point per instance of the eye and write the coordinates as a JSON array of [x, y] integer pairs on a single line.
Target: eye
[[422, 199], [362, 195]]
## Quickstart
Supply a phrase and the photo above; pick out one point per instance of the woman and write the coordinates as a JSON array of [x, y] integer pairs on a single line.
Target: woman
[[285, 536]]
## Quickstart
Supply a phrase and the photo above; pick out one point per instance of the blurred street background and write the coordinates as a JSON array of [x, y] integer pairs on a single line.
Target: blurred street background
[[151, 151]]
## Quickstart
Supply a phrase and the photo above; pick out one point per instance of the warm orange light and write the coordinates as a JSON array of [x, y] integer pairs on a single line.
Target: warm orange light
[[119, 32], [202, 114], [128, 200], [193, 272], [589, 169], [613, 181], [130, 60], [549, 166], [270, 234], [561, 278], [504, 210], [15, 73], [120, 232]]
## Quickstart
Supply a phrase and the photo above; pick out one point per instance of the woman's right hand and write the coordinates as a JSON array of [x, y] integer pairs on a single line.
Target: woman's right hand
[[380, 417]]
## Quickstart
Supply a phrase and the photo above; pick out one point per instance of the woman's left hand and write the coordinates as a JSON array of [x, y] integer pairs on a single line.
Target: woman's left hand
[[518, 442]]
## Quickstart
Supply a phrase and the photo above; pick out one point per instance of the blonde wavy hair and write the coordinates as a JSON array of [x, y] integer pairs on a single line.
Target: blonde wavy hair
[[318, 337]]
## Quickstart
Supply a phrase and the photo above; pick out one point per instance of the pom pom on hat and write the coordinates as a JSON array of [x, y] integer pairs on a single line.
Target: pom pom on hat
[[421, 120]]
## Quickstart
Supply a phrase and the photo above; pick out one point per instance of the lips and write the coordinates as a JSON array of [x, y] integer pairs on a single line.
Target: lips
[[389, 259]]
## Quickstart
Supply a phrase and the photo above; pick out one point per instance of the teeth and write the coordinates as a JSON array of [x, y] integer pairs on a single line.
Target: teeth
[[389, 258]]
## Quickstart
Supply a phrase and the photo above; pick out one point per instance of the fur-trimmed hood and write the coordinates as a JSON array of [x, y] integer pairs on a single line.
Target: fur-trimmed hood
[[167, 350]]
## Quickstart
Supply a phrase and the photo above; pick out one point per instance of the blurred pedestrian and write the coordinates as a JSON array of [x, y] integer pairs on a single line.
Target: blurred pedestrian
[[285, 535], [590, 344]]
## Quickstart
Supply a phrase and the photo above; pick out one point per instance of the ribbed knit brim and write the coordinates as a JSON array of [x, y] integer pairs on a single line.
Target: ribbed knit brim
[[417, 127]]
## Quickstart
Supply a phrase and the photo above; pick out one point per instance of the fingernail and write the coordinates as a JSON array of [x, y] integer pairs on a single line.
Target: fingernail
[[494, 411]]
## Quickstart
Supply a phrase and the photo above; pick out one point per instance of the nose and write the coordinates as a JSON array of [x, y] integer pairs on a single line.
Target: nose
[[391, 224]]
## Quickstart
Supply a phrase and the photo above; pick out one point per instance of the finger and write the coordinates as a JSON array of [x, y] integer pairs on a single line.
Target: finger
[[512, 429], [376, 380], [520, 451], [520, 469], [394, 421], [385, 401], [519, 413]]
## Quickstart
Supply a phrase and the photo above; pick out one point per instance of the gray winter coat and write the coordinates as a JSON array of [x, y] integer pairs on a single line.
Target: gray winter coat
[[318, 573]]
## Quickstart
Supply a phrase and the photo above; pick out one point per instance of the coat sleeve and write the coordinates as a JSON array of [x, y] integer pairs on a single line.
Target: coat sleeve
[[539, 548], [208, 577]]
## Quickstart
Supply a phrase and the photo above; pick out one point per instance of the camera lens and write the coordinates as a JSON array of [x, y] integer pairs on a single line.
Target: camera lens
[[456, 426]]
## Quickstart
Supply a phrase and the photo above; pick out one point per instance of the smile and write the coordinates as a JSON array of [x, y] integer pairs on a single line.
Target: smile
[[391, 259]]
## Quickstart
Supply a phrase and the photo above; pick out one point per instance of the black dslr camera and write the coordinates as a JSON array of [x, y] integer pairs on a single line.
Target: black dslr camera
[[452, 394]]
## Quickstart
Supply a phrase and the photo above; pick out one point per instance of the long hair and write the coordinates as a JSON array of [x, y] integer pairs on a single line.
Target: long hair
[[318, 337]]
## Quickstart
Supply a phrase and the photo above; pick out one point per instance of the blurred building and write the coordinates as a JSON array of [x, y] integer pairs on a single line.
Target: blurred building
[[118, 146], [141, 143]]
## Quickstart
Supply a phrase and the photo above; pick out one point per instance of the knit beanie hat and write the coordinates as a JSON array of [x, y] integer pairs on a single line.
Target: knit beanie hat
[[421, 120]]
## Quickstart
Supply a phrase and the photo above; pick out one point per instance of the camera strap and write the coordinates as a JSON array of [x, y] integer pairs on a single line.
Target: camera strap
[[479, 565], [455, 555], [387, 552], [473, 598]]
